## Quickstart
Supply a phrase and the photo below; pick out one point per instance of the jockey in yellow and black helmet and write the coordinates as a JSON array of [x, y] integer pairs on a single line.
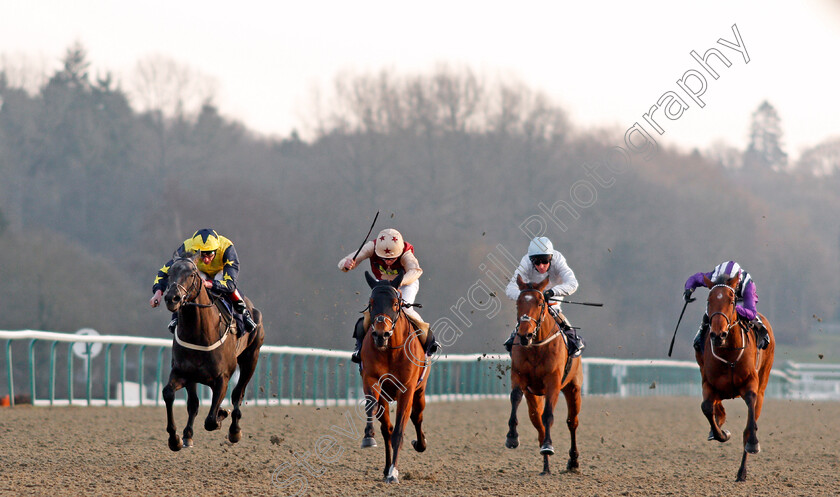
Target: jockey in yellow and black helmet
[[219, 267]]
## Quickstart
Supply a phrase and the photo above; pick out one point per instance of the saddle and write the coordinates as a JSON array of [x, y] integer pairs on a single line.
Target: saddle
[[231, 320]]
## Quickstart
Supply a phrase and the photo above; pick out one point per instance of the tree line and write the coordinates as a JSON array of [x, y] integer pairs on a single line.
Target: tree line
[[98, 191]]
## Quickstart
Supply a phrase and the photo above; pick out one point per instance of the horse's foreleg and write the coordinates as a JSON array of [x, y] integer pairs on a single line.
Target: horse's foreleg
[[214, 418], [247, 365], [709, 408], [192, 411], [373, 410], [387, 429], [572, 394], [512, 440], [404, 407], [417, 419], [175, 383], [546, 448], [751, 444], [535, 412]]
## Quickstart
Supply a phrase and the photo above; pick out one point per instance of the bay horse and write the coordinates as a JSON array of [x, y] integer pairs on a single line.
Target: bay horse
[[394, 367], [538, 369], [205, 350], [732, 366]]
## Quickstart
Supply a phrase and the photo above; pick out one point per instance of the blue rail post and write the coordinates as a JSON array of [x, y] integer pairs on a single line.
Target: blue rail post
[[158, 373], [32, 369], [87, 366], [107, 386], [279, 377], [140, 372], [52, 371], [69, 374], [10, 371], [122, 373]]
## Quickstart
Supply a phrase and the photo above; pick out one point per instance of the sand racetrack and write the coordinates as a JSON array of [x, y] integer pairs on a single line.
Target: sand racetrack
[[654, 446]]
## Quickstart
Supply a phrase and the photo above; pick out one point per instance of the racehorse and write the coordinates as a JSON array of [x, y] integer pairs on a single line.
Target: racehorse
[[540, 368], [394, 367], [203, 353], [732, 366]]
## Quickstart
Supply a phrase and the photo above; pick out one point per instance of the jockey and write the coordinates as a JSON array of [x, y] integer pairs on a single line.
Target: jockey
[[542, 262], [745, 296], [389, 257], [218, 266]]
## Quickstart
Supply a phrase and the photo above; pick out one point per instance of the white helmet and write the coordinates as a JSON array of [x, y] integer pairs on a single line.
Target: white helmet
[[389, 243], [725, 271], [540, 245]]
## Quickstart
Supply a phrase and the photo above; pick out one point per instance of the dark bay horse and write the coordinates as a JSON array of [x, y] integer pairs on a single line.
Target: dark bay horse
[[205, 350], [394, 367], [538, 368], [732, 366]]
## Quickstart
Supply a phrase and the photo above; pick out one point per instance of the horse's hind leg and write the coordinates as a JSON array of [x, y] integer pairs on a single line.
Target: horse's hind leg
[[214, 418], [175, 383], [387, 429], [192, 411], [247, 365], [572, 394], [417, 419]]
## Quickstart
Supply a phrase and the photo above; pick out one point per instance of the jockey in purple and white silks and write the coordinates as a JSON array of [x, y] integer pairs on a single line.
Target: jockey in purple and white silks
[[542, 262], [746, 299]]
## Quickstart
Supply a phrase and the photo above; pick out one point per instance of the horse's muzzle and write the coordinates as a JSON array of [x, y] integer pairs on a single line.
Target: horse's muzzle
[[718, 339], [381, 341], [525, 340]]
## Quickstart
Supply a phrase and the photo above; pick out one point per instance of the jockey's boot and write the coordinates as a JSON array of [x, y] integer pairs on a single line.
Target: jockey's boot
[[250, 325], [763, 334], [359, 335], [575, 342], [174, 323], [700, 337], [427, 338], [509, 342]]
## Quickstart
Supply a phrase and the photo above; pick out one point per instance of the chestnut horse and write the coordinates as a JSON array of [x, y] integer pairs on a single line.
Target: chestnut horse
[[205, 350], [538, 368], [394, 367], [732, 366]]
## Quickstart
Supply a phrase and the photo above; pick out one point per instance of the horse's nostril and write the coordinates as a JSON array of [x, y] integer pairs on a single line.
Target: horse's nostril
[[176, 298]]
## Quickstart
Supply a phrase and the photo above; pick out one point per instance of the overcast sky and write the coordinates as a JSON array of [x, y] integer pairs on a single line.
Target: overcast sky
[[606, 63]]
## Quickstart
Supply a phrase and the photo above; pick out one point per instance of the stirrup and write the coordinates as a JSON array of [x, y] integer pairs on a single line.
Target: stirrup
[[172, 325], [356, 356]]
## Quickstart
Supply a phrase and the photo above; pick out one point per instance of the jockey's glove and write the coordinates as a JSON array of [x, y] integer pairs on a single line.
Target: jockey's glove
[[687, 295], [548, 294]]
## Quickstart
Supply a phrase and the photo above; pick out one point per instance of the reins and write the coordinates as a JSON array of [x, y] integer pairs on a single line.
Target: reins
[[538, 326], [188, 300]]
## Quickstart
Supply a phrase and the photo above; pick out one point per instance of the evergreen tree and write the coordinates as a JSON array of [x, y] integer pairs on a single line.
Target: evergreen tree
[[765, 149]]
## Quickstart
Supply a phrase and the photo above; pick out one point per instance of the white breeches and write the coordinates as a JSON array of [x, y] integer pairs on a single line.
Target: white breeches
[[409, 293]]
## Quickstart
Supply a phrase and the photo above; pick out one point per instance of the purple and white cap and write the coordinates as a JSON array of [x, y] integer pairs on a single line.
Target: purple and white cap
[[725, 271]]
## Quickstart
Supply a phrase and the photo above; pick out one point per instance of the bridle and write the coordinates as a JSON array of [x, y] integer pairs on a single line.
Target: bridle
[[730, 324], [185, 294], [525, 318], [381, 318]]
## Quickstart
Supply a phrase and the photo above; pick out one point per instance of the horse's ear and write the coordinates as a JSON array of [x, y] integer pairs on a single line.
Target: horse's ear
[[396, 281], [522, 285], [541, 286], [707, 282], [734, 281], [371, 281]]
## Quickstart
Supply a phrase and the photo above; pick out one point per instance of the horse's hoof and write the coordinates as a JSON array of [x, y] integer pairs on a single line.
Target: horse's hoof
[[752, 448], [726, 435], [418, 447], [546, 472], [234, 437], [368, 442], [572, 467], [547, 450], [223, 413], [211, 424], [394, 477], [175, 443], [512, 442], [188, 442]]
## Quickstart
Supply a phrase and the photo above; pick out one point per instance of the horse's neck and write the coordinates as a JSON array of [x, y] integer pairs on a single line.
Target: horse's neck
[[547, 326], [204, 320]]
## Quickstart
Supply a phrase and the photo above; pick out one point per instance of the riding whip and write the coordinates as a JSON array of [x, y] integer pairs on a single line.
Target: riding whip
[[366, 236], [593, 304], [671, 348]]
